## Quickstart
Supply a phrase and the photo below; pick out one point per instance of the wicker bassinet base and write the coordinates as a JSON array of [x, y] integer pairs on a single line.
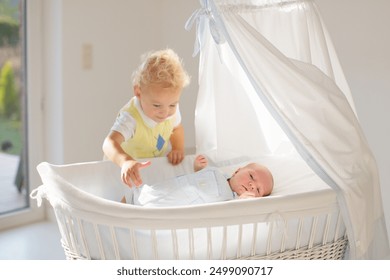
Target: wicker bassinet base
[[330, 251]]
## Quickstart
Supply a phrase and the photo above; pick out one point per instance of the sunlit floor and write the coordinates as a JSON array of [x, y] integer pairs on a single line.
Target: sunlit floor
[[38, 241]]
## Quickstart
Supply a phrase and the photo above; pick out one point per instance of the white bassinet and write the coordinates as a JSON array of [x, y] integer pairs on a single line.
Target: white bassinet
[[300, 220], [269, 84]]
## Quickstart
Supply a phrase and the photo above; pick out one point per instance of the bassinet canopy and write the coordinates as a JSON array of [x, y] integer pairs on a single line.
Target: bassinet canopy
[[270, 83]]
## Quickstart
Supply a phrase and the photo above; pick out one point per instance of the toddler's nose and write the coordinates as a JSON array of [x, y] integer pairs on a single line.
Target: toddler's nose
[[163, 114]]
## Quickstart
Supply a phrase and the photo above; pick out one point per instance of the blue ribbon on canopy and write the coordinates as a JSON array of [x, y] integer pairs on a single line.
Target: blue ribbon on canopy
[[202, 17]]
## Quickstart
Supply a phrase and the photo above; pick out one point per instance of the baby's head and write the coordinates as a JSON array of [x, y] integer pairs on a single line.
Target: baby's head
[[158, 83], [252, 180]]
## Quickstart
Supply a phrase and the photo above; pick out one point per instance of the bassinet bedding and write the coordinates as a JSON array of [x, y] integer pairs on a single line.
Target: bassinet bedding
[[299, 216]]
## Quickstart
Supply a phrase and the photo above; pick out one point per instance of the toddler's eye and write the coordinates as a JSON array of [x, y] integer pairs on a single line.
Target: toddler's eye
[[156, 105], [172, 106]]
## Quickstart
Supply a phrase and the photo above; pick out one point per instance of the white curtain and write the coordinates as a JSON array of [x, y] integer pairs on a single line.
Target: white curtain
[[270, 83]]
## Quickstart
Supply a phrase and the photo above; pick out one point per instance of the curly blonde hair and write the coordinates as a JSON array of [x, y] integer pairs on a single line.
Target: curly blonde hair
[[163, 68]]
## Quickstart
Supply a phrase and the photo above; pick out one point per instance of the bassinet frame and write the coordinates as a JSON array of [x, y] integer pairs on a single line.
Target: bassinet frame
[[93, 225], [326, 241], [329, 251]]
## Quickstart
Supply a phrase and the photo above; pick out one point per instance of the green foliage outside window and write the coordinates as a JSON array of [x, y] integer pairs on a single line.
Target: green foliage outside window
[[9, 23], [9, 32], [9, 100]]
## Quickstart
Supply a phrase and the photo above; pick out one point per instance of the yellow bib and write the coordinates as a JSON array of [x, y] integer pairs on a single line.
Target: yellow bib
[[147, 142]]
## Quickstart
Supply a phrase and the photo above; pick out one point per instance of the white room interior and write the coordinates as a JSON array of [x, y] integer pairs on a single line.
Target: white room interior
[[83, 53]]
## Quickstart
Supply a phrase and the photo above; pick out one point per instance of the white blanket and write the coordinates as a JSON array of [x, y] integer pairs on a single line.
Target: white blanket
[[205, 186]]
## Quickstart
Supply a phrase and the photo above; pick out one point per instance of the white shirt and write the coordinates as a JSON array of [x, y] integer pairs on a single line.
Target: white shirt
[[125, 124]]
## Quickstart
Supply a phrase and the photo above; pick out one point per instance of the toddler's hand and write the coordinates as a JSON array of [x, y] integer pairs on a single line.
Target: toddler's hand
[[175, 156], [200, 162], [130, 172]]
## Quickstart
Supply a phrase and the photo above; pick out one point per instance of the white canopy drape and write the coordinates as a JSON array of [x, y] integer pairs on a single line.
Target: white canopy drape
[[270, 83]]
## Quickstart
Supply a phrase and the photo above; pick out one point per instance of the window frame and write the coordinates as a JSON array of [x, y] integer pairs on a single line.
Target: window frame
[[33, 113]]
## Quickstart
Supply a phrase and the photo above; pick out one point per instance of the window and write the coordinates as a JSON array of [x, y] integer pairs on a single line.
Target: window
[[15, 109], [13, 191]]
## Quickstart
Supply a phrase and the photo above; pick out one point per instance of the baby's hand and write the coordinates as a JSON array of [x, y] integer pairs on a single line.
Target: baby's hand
[[130, 172], [247, 194], [200, 162], [175, 156]]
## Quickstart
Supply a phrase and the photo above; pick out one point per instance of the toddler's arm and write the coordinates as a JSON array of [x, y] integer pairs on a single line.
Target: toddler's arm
[[176, 155], [129, 167]]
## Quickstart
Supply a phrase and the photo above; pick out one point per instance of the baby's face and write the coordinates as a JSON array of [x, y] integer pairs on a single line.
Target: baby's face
[[158, 103], [252, 179]]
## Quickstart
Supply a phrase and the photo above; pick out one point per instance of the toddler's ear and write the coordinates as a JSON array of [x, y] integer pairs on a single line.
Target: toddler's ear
[[137, 91]]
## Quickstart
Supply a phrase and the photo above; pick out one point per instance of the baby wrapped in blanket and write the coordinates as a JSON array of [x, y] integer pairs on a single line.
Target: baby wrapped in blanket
[[207, 184]]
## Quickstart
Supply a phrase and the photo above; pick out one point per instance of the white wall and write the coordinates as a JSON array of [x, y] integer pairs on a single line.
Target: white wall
[[117, 33], [120, 31]]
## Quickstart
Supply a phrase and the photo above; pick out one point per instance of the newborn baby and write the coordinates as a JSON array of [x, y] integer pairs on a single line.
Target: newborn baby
[[207, 184]]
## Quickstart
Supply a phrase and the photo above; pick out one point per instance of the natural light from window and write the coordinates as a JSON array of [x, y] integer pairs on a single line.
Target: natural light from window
[[13, 190]]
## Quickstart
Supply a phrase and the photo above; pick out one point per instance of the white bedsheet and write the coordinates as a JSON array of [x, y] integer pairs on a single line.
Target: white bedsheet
[[291, 174]]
